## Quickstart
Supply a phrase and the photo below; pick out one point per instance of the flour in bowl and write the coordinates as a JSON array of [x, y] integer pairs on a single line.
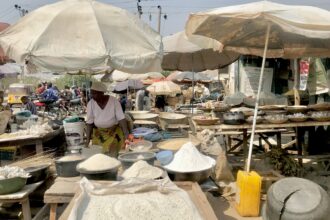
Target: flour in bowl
[[141, 169], [98, 162], [71, 158], [189, 159]]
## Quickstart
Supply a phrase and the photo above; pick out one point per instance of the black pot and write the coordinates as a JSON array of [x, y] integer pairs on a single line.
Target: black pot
[[38, 173]]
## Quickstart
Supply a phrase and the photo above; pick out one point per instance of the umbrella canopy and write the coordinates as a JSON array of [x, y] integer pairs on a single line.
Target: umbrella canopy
[[295, 31], [164, 88], [3, 58], [188, 77], [265, 29], [181, 54], [81, 34], [122, 87], [10, 70], [119, 76]]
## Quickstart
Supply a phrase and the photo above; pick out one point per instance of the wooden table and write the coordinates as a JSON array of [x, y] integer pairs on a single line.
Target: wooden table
[[270, 127], [31, 140], [192, 188], [22, 197], [62, 191]]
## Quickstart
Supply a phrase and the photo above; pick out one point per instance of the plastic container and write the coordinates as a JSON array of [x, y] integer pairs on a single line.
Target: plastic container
[[74, 133], [92, 150], [12, 185], [248, 193], [21, 119], [165, 157]]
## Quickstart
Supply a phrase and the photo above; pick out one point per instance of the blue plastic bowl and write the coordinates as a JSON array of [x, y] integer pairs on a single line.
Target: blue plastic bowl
[[165, 157]]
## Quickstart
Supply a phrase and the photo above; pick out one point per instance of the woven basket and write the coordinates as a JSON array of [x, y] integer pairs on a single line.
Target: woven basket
[[321, 118], [281, 121], [200, 121], [298, 119]]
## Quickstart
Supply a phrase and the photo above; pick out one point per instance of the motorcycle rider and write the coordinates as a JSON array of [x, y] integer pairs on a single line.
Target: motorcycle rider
[[50, 95]]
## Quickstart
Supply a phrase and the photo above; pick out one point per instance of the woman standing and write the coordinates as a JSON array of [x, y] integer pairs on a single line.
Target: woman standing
[[106, 123]]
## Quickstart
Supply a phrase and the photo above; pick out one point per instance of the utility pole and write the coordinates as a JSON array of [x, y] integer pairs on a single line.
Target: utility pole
[[139, 8], [22, 11], [159, 16]]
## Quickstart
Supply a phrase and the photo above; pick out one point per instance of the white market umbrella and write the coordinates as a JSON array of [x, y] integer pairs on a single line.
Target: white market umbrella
[[81, 34], [189, 76], [265, 29], [184, 55], [125, 86], [119, 76], [164, 88]]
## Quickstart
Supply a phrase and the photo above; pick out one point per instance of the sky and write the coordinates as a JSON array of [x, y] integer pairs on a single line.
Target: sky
[[176, 11]]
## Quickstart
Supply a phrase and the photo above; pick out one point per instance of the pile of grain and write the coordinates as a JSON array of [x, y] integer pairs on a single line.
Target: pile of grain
[[149, 205], [142, 169], [73, 157], [98, 162], [189, 159]]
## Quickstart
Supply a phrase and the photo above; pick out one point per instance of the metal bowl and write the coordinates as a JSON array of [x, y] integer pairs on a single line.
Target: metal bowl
[[12, 185], [140, 146], [105, 175], [128, 159], [38, 173], [67, 168], [198, 176]]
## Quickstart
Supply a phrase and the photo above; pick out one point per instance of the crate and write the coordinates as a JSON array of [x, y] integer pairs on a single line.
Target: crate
[[8, 153]]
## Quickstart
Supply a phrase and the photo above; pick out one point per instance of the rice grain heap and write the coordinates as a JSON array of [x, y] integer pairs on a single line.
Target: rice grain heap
[[98, 162], [141, 169]]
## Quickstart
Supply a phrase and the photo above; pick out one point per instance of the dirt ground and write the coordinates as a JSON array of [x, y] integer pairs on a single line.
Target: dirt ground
[[225, 210]]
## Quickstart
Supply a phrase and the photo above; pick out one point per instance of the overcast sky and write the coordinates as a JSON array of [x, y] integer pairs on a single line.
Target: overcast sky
[[177, 11]]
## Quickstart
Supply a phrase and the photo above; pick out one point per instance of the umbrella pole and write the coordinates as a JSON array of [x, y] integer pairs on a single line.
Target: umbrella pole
[[248, 164], [193, 93]]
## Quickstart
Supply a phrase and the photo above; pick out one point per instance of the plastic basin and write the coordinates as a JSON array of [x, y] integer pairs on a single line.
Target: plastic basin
[[12, 185], [165, 157]]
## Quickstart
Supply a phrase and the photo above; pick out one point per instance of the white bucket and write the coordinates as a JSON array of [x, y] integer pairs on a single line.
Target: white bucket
[[92, 150], [74, 133]]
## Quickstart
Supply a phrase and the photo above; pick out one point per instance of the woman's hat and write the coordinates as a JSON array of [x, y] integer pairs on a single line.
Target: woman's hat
[[98, 86]]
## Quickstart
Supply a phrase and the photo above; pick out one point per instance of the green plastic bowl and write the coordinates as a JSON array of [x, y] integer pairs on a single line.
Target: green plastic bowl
[[12, 185]]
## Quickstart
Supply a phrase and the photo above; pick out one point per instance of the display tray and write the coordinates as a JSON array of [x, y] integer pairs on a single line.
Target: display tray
[[276, 121], [320, 107], [321, 118], [298, 119], [193, 189], [272, 107], [297, 109], [209, 121]]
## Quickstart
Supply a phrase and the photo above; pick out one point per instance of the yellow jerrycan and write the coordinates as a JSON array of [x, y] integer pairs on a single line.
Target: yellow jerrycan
[[248, 193]]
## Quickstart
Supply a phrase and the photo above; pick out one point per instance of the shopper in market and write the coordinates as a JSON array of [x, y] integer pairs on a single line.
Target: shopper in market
[[29, 105], [106, 123]]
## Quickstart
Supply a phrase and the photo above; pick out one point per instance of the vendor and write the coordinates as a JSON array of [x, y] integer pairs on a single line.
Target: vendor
[[105, 121]]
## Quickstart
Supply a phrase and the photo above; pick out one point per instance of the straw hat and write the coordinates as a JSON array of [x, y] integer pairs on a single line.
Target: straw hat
[[98, 86]]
